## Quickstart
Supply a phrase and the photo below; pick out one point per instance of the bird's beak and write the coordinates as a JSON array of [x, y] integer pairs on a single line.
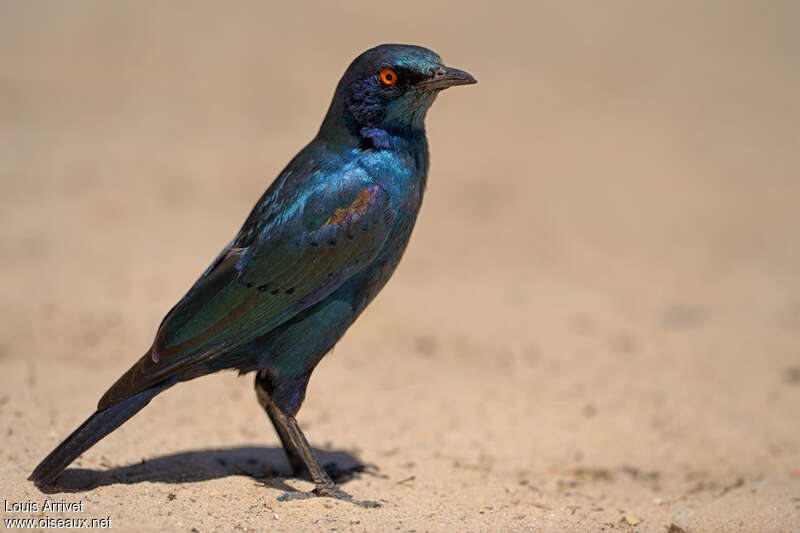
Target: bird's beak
[[444, 77]]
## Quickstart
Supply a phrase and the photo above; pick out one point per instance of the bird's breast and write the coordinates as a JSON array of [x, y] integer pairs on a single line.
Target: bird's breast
[[401, 173]]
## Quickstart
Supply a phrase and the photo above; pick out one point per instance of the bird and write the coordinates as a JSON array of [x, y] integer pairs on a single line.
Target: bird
[[319, 244]]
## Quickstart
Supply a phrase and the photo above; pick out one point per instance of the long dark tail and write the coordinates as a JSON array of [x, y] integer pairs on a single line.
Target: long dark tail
[[97, 426]]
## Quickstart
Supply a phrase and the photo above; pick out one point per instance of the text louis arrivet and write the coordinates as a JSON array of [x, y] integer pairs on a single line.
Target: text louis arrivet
[[51, 506]]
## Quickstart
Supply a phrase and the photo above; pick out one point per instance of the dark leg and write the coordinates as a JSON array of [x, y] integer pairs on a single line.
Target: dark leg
[[299, 452], [275, 415]]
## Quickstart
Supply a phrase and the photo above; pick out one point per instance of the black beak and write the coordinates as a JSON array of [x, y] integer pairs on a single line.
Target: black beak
[[444, 77]]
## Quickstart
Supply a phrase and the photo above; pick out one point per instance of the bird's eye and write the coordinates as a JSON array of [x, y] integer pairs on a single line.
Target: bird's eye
[[388, 76]]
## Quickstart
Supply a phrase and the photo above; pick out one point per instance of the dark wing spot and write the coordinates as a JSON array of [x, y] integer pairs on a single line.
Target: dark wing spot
[[290, 290], [366, 143]]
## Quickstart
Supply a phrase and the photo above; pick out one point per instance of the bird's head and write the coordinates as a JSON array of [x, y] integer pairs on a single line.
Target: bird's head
[[389, 89]]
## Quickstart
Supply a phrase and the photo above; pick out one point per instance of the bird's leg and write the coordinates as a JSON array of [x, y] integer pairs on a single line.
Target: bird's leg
[[275, 415], [299, 453], [324, 485]]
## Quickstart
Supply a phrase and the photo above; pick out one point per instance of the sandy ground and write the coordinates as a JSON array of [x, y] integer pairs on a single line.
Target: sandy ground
[[596, 326]]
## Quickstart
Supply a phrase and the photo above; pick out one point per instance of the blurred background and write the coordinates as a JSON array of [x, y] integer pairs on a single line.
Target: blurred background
[[604, 273]]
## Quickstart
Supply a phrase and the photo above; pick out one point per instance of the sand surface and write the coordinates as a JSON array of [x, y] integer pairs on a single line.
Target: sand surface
[[596, 326]]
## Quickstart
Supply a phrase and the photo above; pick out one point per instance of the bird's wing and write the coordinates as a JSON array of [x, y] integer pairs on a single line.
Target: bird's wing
[[330, 233]]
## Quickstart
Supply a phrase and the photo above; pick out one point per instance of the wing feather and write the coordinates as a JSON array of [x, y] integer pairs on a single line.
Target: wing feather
[[338, 229]]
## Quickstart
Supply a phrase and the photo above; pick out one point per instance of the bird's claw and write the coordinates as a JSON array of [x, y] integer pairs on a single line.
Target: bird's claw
[[332, 491], [326, 491]]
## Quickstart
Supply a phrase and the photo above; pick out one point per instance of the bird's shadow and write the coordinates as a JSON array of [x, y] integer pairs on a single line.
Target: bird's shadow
[[266, 465]]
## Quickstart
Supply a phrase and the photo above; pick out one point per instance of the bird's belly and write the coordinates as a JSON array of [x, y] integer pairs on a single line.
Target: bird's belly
[[373, 278], [290, 352]]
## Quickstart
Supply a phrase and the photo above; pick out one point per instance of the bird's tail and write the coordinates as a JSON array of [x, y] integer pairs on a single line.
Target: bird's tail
[[97, 426]]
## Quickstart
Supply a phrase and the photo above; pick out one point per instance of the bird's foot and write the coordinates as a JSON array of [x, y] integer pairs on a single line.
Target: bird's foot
[[326, 491]]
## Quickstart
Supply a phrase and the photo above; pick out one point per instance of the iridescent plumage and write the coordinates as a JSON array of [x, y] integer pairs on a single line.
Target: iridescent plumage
[[318, 246]]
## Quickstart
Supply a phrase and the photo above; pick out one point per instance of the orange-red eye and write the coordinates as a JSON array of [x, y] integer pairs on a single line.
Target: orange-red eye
[[388, 76]]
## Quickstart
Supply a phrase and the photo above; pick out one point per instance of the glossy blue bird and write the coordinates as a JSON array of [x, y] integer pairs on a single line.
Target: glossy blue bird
[[321, 242]]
